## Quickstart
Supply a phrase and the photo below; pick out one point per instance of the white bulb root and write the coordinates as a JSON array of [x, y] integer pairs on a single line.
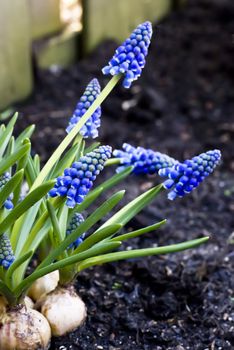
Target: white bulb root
[[64, 310], [44, 285], [22, 328]]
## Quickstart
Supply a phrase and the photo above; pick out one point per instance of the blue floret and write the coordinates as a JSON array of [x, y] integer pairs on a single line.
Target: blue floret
[[75, 222], [76, 182], [129, 58], [4, 178], [185, 177], [144, 161], [6, 253], [90, 129]]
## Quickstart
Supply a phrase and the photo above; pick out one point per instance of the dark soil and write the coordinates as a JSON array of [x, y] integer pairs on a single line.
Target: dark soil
[[182, 105]]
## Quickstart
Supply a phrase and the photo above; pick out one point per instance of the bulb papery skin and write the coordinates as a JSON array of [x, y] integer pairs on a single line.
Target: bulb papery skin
[[23, 328], [64, 310], [44, 285]]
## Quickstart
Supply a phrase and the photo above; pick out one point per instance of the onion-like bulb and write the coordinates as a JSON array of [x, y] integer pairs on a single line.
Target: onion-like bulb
[[44, 285], [22, 328], [64, 310]]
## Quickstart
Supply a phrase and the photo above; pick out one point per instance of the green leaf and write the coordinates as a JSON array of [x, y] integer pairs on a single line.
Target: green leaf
[[10, 186], [139, 232], [21, 165], [39, 224], [6, 163], [7, 293], [130, 210], [99, 213], [17, 263], [32, 198], [137, 253], [57, 235], [97, 237], [92, 147], [89, 199], [39, 272], [6, 135], [25, 134], [67, 159], [37, 163]]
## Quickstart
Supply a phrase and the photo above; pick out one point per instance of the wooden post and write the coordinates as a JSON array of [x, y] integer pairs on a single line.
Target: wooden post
[[44, 17], [15, 60], [114, 19]]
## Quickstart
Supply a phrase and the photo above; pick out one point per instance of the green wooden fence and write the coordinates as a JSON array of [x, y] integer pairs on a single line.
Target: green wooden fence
[[50, 31]]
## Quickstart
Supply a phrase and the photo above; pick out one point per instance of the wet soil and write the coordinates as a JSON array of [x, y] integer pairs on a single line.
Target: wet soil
[[182, 105]]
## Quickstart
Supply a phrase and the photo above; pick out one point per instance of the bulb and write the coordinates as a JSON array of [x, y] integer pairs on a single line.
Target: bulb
[[23, 328], [44, 285], [64, 310]]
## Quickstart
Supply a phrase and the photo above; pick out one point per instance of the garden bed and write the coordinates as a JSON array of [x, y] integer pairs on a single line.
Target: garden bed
[[182, 105]]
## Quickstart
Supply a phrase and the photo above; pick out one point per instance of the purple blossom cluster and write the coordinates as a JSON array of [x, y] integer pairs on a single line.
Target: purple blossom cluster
[[144, 161], [90, 129], [129, 58], [76, 181], [185, 177]]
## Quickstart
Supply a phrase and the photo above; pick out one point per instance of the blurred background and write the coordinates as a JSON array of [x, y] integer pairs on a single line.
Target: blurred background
[[182, 105]]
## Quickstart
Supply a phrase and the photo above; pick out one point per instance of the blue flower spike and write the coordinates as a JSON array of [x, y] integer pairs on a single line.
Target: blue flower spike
[[76, 181], [185, 177], [90, 129], [4, 178], [74, 223], [6, 253], [129, 58], [144, 161]]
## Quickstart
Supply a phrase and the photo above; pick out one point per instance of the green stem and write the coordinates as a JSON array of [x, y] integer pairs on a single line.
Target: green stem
[[68, 139], [112, 161]]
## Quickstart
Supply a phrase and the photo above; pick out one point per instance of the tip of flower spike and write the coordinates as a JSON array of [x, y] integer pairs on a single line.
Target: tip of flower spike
[[184, 177], [90, 128], [129, 58]]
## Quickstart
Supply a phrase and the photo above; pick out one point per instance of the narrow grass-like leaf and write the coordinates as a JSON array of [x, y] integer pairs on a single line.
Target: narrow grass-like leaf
[[97, 237], [99, 213], [125, 214], [10, 186], [67, 159], [139, 232], [26, 133], [6, 135], [14, 267], [27, 203], [138, 253], [39, 272], [57, 235], [5, 291], [6, 163], [92, 147], [94, 194]]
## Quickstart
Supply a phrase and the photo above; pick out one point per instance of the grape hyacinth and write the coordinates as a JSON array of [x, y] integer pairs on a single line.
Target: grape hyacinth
[[4, 178], [185, 177], [129, 58], [6, 253], [90, 129], [75, 222], [78, 180], [144, 161]]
